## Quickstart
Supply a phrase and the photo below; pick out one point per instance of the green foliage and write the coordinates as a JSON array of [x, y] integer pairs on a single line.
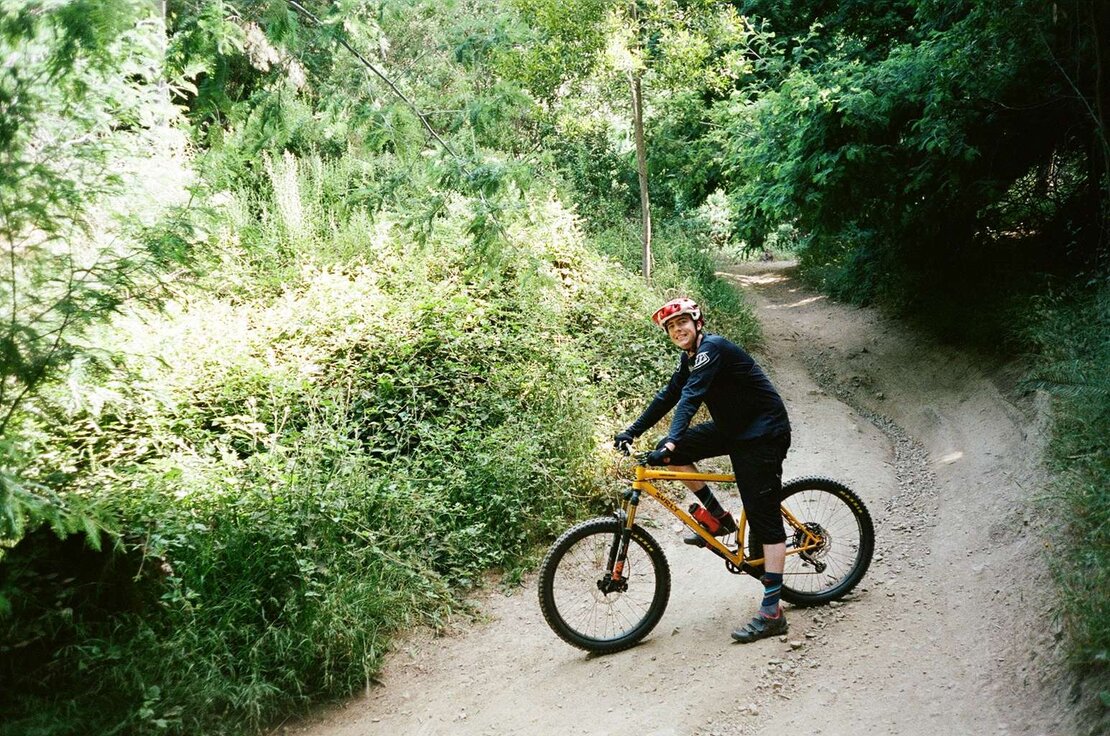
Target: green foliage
[[1072, 332], [921, 153], [564, 42], [360, 408], [83, 91], [393, 367]]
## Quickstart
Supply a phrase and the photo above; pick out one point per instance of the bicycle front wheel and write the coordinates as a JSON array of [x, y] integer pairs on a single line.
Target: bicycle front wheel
[[582, 602], [838, 518]]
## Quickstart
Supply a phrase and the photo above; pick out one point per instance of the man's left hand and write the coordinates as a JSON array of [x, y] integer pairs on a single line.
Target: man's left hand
[[661, 455]]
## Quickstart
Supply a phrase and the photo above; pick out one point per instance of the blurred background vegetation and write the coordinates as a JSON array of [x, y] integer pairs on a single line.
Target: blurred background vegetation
[[284, 372]]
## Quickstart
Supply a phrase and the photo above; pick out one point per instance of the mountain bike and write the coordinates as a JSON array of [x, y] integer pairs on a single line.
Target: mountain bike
[[604, 583]]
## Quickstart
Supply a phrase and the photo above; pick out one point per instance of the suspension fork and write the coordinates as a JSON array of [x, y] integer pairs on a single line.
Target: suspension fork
[[618, 551]]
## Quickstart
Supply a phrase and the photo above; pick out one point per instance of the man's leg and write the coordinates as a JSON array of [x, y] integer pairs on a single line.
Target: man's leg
[[774, 562], [702, 490], [758, 467], [693, 485], [774, 557], [699, 442]]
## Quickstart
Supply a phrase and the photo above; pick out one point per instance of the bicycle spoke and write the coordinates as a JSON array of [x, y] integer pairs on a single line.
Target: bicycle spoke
[[834, 521], [586, 609], [600, 616]]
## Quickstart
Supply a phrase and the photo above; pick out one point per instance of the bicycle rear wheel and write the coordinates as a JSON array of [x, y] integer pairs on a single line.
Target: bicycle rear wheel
[[579, 598], [835, 514]]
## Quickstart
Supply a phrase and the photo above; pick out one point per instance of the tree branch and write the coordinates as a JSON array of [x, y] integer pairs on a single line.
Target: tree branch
[[366, 62], [412, 106]]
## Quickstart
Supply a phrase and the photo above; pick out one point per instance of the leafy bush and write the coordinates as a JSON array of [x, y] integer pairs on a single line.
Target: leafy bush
[[317, 448]]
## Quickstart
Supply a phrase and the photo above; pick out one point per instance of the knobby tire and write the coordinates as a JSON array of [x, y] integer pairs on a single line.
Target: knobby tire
[[847, 528], [579, 611]]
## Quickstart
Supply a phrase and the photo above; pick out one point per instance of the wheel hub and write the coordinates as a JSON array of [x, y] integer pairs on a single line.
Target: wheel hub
[[607, 585], [814, 554]]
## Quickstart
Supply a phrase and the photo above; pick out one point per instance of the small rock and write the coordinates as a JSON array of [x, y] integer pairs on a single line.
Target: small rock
[[797, 643]]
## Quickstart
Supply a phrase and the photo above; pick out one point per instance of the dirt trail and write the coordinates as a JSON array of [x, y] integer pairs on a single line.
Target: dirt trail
[[949, 632]]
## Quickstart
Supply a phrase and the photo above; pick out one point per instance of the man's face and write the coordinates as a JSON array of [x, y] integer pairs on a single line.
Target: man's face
[[682, 332]]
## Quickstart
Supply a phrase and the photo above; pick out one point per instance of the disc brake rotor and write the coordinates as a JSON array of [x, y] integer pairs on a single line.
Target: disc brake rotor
[[814, 554]]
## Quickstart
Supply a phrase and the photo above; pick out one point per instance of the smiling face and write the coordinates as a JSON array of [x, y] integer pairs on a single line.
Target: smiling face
[[683, 332]]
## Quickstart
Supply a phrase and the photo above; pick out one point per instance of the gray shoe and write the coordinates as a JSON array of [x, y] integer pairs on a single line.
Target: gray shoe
[[761, 627]]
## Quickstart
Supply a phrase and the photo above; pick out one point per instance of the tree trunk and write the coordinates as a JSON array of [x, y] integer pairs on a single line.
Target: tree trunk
[[641, 169]]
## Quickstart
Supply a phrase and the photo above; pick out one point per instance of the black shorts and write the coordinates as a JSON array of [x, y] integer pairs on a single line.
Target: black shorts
[[757, 464]]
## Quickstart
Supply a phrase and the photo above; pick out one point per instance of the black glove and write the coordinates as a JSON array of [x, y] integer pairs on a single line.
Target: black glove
[[623, 440], [661, 455]]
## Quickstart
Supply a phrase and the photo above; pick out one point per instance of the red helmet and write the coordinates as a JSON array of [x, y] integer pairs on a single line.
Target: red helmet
[[674, 308]]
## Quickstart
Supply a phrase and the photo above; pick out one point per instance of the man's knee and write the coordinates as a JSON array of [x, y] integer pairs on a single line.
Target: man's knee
[[766, 524]]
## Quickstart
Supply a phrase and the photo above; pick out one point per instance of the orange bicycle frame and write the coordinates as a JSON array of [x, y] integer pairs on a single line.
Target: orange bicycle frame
[[642, 484]]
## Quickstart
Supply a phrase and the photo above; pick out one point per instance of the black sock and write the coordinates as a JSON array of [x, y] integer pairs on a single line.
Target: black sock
[[709, 501]]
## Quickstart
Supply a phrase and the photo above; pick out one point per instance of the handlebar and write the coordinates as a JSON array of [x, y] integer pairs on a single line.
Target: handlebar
[[625, 448]]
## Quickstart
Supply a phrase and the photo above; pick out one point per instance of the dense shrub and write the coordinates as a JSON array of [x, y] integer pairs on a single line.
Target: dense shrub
[[346, 424]]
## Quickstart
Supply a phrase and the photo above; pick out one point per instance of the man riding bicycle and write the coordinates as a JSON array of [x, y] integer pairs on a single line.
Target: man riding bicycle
[[749, 424]]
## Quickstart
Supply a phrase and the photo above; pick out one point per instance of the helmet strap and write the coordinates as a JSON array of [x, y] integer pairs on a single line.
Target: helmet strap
[[697, 341]]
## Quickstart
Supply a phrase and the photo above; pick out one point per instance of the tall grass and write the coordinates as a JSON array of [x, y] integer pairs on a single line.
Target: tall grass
[[1072, 330]]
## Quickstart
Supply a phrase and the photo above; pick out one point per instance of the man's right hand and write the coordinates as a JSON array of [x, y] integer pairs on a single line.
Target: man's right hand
[[623, 441]]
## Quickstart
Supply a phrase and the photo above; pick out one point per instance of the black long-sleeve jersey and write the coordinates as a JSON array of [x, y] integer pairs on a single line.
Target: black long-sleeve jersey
[[740, 398]]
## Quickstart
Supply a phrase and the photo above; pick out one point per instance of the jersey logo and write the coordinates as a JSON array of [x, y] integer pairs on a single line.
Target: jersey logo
[[700, 360]]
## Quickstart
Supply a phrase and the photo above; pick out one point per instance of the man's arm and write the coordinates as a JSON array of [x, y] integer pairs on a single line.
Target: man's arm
[[703, 368], [664, 401]]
